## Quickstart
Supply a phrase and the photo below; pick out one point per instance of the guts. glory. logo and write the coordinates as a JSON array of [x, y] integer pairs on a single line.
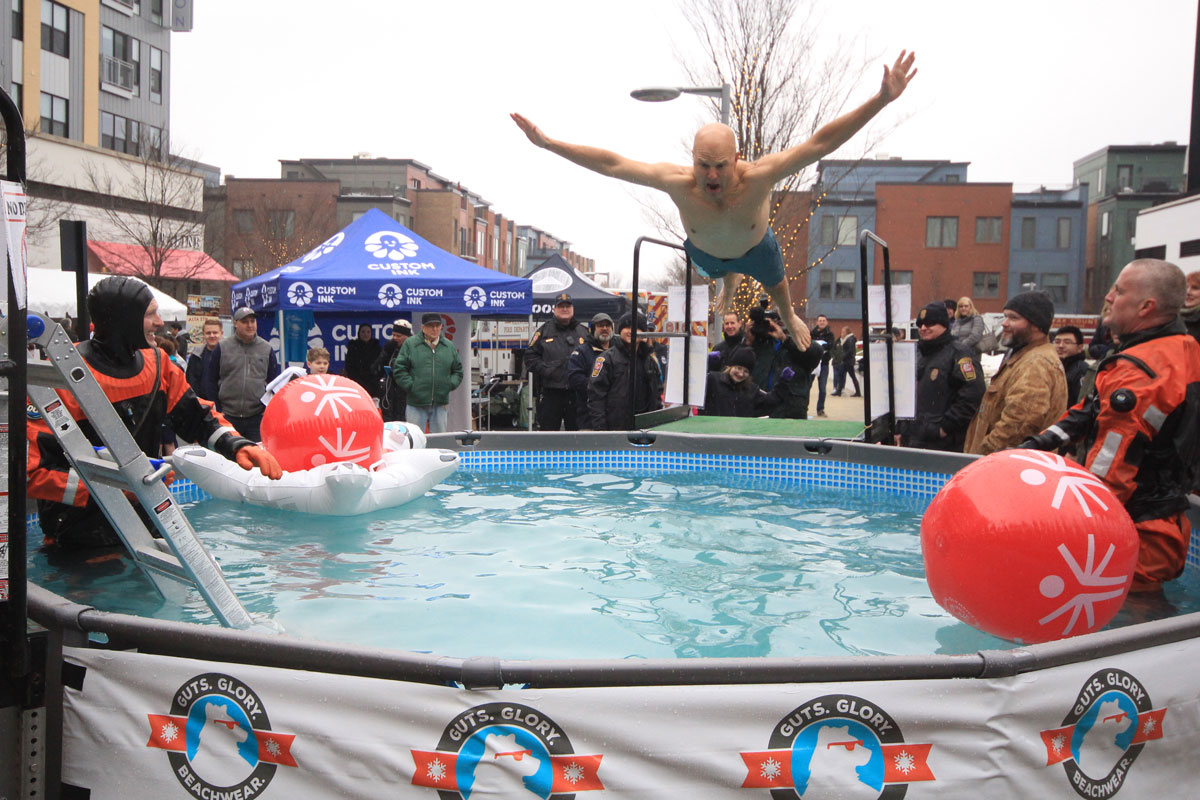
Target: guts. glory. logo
[[218, 738], [505, 750], [837, 745], [1102, 734]]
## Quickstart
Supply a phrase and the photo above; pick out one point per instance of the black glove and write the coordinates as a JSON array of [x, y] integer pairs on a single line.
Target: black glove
[[1042, 441]]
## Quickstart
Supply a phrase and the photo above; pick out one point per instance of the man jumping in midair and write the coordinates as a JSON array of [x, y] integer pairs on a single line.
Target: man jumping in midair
[[724, 202]]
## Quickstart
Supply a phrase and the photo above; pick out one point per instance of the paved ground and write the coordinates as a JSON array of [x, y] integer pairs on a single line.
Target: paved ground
[[842, 408]]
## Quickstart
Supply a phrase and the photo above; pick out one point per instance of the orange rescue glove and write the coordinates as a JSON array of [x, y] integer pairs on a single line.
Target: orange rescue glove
[[254, 456]]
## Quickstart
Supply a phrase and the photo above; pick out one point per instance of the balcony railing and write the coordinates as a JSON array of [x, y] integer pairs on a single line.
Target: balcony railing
[[117, 73]]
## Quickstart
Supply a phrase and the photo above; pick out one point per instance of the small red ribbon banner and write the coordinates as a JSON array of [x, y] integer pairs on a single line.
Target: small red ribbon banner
[[1150, 726], [168, 733], [768, 769], [572, 773]]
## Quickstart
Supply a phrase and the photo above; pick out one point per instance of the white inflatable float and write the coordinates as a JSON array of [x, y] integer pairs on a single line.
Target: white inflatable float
[[338, 456], [340, 489]]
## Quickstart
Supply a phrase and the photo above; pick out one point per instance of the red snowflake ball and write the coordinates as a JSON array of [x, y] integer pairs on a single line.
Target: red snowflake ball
[[320, 419], [1029, 547]]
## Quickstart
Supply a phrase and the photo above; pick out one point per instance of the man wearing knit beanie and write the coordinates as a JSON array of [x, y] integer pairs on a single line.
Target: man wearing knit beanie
[[1029, 391]]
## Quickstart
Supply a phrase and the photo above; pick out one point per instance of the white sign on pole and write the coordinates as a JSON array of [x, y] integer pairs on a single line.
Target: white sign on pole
[[698, 337], [901, 304], [904, 355], [14, 229]]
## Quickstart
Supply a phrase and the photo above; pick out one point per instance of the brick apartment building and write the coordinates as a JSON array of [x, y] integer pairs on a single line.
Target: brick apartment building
[[314, 198]]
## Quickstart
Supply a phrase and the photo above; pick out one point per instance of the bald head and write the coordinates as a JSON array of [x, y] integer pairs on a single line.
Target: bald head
[[1148, 293], [715, 138]]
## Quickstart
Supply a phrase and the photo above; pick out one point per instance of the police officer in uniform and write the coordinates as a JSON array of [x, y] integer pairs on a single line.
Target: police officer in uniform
[[546, 360], [949, 386], [583, 358], [609, 402]]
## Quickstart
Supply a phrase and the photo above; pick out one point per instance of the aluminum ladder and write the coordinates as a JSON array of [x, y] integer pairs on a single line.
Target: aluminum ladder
[[178, 558]]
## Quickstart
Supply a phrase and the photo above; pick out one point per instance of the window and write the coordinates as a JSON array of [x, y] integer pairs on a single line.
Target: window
[[121, 60], [951, 179], [54, 115], [480, 247], [1124, 176], [120, 134], [941, 231], [154, 142], [825, 292], [1160, 252], [18, 20], [1063, 240], [281, 224], [843, 284], [416, 184], [1028, 233], [902, 277], [56, 29], [1027, 280], [156, 75], [988, 230], [16, 94], [1188, 248], [1055, 284], [243, 220], [243, 267], [1105, 221], [156, 12], [987, 284], [837, 230]]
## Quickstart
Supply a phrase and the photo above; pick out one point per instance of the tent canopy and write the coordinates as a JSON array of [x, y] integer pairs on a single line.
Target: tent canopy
[[132, 259], [377, 265], [52, 292], [555, 276]]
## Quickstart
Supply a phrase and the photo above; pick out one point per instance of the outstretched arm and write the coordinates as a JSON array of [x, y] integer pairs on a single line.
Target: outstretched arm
[[777, 166], [605, 162]]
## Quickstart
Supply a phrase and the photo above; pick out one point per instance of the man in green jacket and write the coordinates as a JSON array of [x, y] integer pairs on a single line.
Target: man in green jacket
[[427, 368]]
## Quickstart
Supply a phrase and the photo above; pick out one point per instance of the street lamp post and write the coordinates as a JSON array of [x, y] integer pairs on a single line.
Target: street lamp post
[[658, 94]]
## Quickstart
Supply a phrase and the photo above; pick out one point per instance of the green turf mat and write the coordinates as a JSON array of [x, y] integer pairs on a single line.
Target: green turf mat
[[828, 428]]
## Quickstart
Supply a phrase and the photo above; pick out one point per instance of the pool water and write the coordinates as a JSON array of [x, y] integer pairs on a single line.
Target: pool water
[[578, 566]]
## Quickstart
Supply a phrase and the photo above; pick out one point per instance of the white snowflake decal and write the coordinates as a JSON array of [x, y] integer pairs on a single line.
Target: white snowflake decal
[[573, 772], [770, 768], [339, 451], [1058, 742], [273, 747], [329, 393], [1076, 480], [436, 769], [905, 762], [169, 732], [1150, 725]]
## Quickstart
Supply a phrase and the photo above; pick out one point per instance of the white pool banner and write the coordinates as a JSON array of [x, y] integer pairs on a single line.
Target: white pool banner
[[143, 726]]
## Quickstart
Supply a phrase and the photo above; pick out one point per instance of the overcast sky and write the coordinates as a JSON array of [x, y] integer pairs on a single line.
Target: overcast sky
[[1020, 90]]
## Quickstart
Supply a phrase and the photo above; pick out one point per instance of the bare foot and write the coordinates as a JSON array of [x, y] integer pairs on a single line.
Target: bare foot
[[798, 330]]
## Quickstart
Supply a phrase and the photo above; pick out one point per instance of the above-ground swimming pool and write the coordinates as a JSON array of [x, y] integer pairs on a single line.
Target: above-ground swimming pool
[[588, 555], [959, 715]]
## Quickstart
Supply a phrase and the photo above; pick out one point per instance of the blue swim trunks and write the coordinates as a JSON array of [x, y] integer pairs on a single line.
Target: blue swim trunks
[[763, 262]]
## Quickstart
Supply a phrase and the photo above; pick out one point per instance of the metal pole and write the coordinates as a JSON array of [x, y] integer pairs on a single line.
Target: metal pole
[[1193, 162]]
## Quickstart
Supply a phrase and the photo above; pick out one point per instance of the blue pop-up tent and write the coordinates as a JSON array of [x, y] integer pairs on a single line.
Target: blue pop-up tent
[[377, 265], [372, 271]]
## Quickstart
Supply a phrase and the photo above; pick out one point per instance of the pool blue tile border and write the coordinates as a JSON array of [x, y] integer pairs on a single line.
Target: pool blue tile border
[[787, 472]]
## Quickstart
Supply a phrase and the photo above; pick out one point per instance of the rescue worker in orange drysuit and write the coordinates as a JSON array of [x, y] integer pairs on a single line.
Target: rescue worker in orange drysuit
[[146, 389], [1140, 424]]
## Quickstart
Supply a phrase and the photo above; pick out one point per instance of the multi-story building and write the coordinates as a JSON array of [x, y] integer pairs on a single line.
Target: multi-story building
[[1123, 180], [440, 210], [947, 238], [843, 205], [92, 80]]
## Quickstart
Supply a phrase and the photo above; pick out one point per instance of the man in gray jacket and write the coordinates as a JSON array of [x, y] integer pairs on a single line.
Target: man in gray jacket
[[247, 364]]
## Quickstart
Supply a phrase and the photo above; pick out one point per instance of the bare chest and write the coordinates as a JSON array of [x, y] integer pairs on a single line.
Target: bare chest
[[724, 229]]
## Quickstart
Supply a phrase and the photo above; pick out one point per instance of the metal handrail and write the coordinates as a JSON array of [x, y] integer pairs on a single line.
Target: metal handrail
[[636, 311]]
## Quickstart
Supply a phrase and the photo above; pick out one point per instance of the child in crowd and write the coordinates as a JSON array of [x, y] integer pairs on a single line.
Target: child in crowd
[[317, 361]]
